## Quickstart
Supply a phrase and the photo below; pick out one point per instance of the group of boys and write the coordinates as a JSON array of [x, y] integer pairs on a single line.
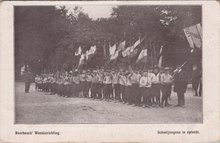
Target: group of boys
[[138, 88]]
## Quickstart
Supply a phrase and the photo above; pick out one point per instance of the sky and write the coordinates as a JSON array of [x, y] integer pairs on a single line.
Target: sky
[[95, 12]]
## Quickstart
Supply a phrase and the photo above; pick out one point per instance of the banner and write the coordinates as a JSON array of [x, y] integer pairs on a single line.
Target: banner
[[142, 55], [137, 43], [112, 49], [127, 51], [79, 51], [114, 56], [90, 52], [130, 49], [194, 35]]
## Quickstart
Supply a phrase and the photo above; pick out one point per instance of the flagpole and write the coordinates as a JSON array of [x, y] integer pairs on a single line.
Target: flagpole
[[154, 54], [152, 60], [104, 50]]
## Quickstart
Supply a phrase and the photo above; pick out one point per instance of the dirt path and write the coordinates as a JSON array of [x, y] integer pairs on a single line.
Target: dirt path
[[41, 108]]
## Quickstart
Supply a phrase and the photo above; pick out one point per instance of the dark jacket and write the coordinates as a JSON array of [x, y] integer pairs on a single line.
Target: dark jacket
[[181, 81], [28, 77]]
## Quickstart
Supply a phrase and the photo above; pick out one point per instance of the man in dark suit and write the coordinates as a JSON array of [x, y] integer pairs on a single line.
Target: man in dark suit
[[180, 85]]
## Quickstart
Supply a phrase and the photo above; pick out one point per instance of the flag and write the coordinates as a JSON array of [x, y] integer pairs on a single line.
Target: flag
[[199, 28], [137, 43], [82, 59], [142, 55], [127, 51], [90, 52], [160, 58], [112, 49], [130, 49], [121, 46], [193, 35], [114, 56], [79, 51]]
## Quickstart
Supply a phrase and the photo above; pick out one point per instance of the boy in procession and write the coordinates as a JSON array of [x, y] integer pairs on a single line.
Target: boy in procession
[[130, 86], [145, 88], [166, 82], [122, 83], [135, 79], [128, 89], [156, 79], [100, 83], [107, 90]]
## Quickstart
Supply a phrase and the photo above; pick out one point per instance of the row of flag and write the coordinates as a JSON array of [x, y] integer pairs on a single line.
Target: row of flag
[[135, 51], [125, 52], [85, 56], [138, 51]]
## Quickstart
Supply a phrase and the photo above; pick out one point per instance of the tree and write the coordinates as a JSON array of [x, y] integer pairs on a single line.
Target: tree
[[47, 37], [37, 30]]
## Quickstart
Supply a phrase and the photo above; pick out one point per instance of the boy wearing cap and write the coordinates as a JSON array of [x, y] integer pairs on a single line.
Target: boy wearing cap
[[136, 97], [116, 85], [107, 85], [83, 83], [100, 84], [94, 85], [122, 82], [156, 79], [145, 88], [166, 81], [89, 83], [128, 89]]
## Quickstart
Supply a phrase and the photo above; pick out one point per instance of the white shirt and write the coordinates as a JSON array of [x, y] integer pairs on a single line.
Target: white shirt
[[82, 77], [122, 80], [115, 79], [89, 78], [107, 79], [145, 81], [155, 78], [128, 81], [166, 78], [75, 79], [100, 78], [135, 78]]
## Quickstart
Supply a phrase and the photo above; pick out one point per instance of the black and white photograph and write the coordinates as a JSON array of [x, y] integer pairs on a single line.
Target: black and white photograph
[[108, 64]]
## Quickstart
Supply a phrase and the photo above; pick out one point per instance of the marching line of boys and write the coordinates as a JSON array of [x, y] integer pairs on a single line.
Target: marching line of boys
[[130, 87]]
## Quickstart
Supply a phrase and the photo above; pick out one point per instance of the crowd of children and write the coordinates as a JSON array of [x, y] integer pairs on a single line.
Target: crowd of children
[[147, 88]]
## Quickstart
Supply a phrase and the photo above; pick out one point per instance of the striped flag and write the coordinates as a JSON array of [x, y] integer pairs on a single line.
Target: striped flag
[[137, 43], [127, 51], [142, 55], [134, 52], [90, 52], [131, 49]]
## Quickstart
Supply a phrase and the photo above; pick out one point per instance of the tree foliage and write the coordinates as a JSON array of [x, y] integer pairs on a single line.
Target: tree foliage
[[46, 37]]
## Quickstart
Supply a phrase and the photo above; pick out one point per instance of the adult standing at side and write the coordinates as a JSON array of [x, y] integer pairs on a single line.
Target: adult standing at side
[[28, 78], [180, 85]]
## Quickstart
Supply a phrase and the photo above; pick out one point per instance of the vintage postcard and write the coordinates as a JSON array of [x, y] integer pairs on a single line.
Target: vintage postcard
[[110, 71]]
